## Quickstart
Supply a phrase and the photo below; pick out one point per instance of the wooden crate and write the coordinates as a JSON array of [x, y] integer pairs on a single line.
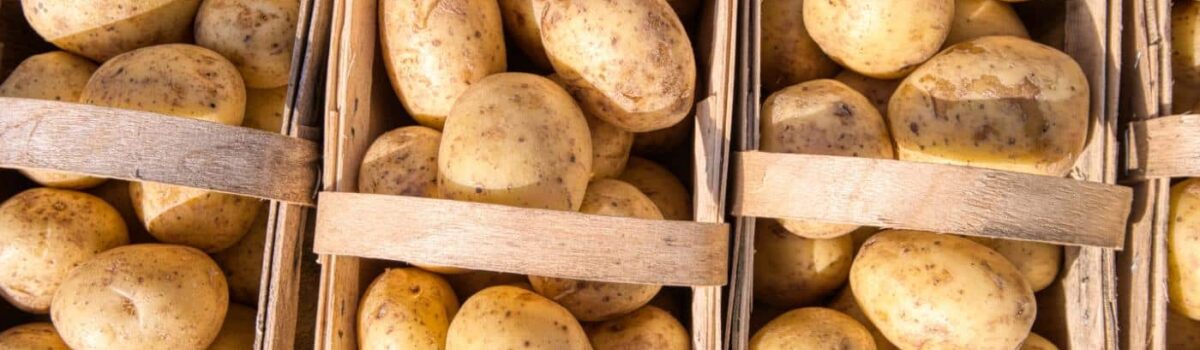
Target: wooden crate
[[1078, 311], [138, 146], [359, 234]]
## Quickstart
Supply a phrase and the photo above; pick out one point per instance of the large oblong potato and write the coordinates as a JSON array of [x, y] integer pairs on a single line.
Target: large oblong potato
[[941, 292], [406, 308], [792, 271], [143, 296], [32, 336], [44, 234], [434, 50], [516, 139], [1183, 249], [845, 303], [979, 18], [789, 54], [1038, 262], [816, 328], [1185, 35], [522, 27], [661, 186], [243, 262], [630, 60], [506, 317], [879, 39], [996, 102], [402, 162], [102, 29], [256, 35], [823, 117], [237, 331], [647, 328]]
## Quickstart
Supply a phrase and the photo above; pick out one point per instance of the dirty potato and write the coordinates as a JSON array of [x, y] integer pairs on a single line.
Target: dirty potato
[[103, 29], [792, 271], [201, 219], [661, 186], [256, 35], [402, 162], [815, 327], [1183, 249], [647, 328], [507, 317], [406, 308], [879, 39]]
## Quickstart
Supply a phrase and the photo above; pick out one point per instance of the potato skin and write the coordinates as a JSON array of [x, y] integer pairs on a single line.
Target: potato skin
[[662, 187], [434, 50], [878, 91], [237, 331], [792, 271], [32, 336], [844, 302], [522, 27], [1183, 249], [265, 108], [1038, 262], [610, 144], [242, 263], [817, 328], [406, 308], [201, 219], [879, 39], [506, 317], [789, 54], [925, 290], [647, 328], [1036, 342], [44, 234], [1185, 35], [116, 194], [631, 60], [256, 35], [997, 102], [402, 162], [101, 30], [144, 296], [516, 139], [975, 19]]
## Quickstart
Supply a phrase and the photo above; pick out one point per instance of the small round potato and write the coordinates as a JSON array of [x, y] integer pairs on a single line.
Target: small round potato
[[516, 139], [256, 35], [237, 331], [435, 50], [647, 328], [1183, 249], [467, 284], [402, 162], [823, 117], [1185, 35], [845, 303], [264, 109], [205, 220], [32, 336], [816, 328], [102, 29], [610, 145], [789, 54], [1038, 262], [506, 317], [879, 39], [941, 292], [522, 27], [663, 141], [975, 19], [406, 308], [878, 91], [1182, 332], [44, 234], [997, 102], [631, 60], [1036, 342], [792, 271], [661, 186], [243, 262], [144, 296]]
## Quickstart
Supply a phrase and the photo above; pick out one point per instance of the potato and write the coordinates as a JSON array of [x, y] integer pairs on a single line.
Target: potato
[[144, 296], [44, 234], [823, 117], [1036, 342], [861, 236], [435, 50], [1182, 332], [661, 186], [467, 284], [630, 59], [792, 271], [256, 35], [516, 139], [116, 194], [647, 328], [237, 331], [265, 108], [402, 162], [32, 336], [522, 28], [878, 91], [507, 317], [1038, 262], [997, 102], [975, 19], [599, 301], [814, 327], [1185, 34], [879, 39], [406, 309], [789, 55], [845, 303], [1183, 249], [201, 219], [934, 291], [663, 141], [103, 29], [243, 262], [610, 145]]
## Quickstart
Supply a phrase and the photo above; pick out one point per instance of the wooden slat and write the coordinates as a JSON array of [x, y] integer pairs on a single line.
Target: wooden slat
[[1164, 147], [931, 197]]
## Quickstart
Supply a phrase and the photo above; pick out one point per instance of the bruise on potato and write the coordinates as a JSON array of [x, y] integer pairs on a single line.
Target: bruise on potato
[[237, 331], [506, 317], [789, 54], [816, 328], [256, 35], [1183, 249], [975, 19], [844, 302], [1038, 262], [792, 271], [101, 30], [879, 39], [647, 328], [402, 162], [406, 309], [243, 262], [205, 220], [32, 336], [662, 187]]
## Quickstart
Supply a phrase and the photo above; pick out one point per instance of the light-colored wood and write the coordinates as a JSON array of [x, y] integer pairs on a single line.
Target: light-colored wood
[[931, 197], [1164, 147]]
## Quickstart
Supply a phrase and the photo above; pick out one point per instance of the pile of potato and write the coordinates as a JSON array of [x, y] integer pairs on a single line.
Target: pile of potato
[[939, 81], [144, 265], [561, 123]]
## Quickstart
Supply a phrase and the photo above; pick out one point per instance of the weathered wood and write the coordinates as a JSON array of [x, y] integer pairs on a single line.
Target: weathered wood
[[1164, 147]]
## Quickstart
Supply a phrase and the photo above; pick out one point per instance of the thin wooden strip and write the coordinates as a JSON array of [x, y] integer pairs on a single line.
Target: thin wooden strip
[[1165, 147], [524, 241], [931, 197], [140, 146]]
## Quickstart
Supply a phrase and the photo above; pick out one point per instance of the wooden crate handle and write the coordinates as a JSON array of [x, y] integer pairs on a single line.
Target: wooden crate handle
[[523, 241], [1163, 148], [931, 197], [141, 146]]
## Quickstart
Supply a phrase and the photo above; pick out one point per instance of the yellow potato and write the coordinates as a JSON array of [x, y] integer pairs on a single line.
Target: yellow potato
[[116, 194], [998, 102], [789, 54], [935, 291], [1182, 332], [1183, 249], [975, 19], [506, 317], [516, 139], [237, 331], [823, 117], [201, 219], [879, 39], [647, 328], [663, 141], [861, 236], [661, 186], [1185, 35], [1036, 342], [435, 50], [402, 162], [467, 284], [32, 336], [1038, 262], [102, 29], [44, 234], [144, 296], [256, 35], [522, 28], [243, 262], [816, 328], [845, 303], [264, 109], [610, 145], [792, 271], [878, 91], [631, 60], [406, 309]]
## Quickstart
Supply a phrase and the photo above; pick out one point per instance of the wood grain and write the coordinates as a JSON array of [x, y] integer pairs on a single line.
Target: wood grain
[[1164, 147]]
